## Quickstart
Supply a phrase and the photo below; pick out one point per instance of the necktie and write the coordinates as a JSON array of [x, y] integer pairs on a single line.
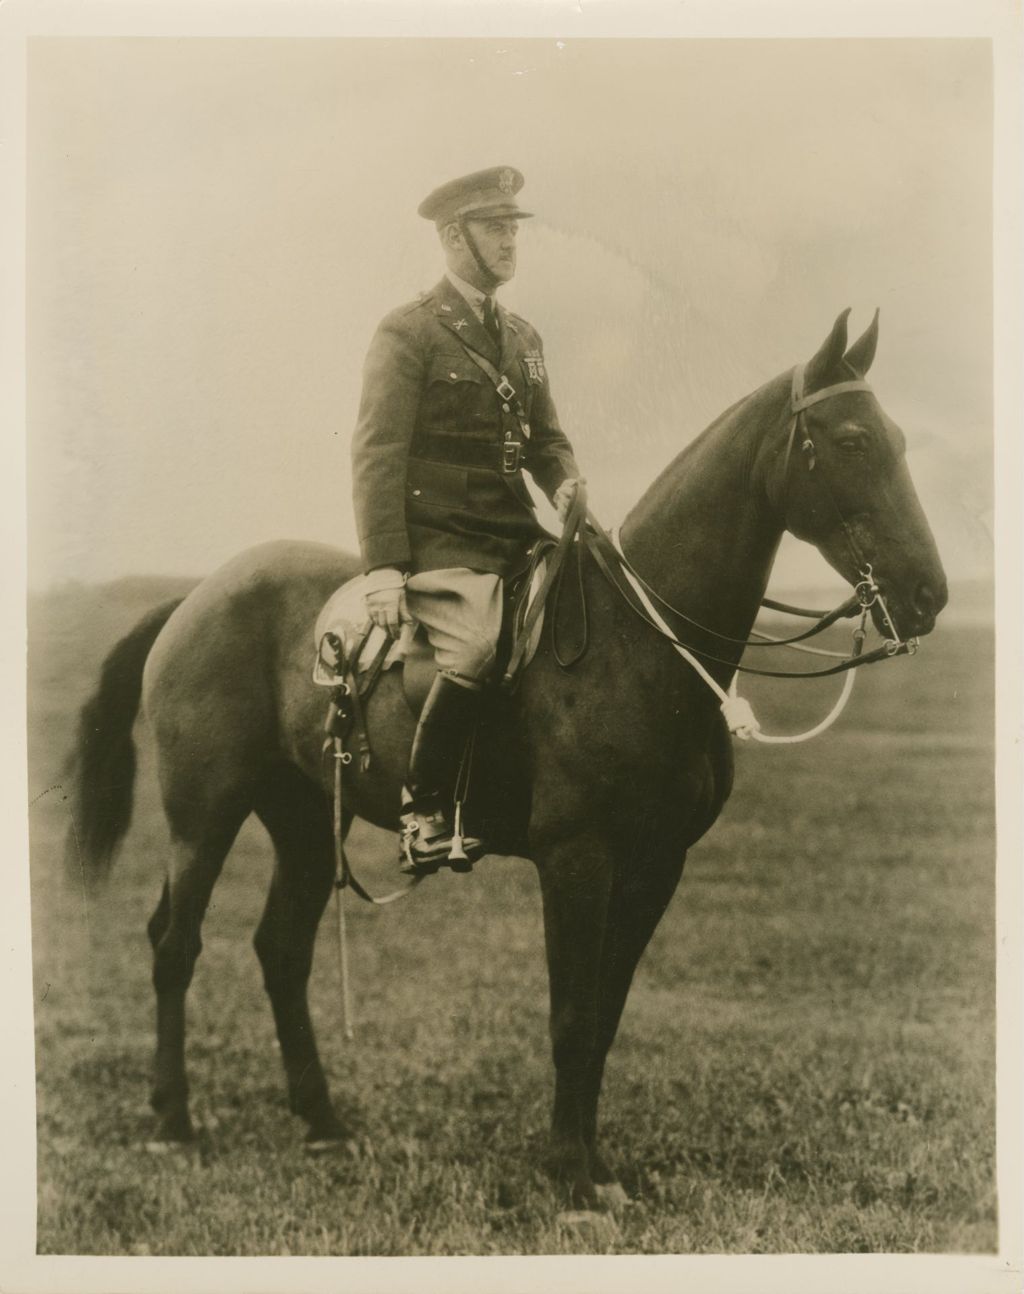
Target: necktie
[[491, 318]]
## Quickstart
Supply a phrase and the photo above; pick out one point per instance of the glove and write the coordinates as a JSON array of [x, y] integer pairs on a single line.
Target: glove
[[564, 495], [384, 592]]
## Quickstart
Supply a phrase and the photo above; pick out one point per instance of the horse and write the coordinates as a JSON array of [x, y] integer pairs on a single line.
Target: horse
[[624, 760]]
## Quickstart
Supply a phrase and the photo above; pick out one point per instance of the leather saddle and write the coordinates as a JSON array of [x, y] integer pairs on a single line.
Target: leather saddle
[[345, 637]]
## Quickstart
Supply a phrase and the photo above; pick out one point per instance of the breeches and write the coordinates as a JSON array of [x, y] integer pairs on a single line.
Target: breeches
[[460, 611]]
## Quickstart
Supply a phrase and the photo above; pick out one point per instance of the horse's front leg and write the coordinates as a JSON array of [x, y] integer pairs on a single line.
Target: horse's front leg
[[640, 895], [575, 877]]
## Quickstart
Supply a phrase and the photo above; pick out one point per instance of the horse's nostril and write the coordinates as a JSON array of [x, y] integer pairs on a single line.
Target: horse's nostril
[[929, 601]]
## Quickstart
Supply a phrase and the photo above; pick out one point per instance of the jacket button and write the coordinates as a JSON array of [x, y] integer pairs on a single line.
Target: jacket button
[[417, 493], [453, 376], [505, 408]]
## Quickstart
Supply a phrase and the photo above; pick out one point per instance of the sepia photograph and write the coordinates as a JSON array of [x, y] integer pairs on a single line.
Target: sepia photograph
[[514, 520]]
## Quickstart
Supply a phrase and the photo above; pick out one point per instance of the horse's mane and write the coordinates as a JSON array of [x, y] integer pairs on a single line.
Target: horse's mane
[[724, 417], [728, 421]]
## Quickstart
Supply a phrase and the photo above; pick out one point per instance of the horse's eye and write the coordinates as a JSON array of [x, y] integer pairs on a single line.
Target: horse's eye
[[852, 447]]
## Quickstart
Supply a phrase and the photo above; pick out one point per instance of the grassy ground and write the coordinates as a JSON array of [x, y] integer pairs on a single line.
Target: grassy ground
[[805, 1065]]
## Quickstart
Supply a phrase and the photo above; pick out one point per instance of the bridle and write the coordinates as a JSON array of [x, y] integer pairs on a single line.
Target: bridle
[[867, 594], [866, 590]]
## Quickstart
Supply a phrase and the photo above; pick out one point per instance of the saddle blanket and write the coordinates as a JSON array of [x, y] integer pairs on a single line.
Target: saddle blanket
[[344, 614]]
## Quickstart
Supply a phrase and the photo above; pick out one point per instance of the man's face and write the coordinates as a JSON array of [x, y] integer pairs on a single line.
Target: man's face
[[496, 242]]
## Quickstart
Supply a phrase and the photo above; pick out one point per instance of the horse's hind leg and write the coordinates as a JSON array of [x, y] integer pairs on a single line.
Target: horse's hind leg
[[296, 814], [174, 932]]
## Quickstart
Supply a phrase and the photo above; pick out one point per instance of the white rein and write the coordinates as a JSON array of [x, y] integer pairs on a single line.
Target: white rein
[[738, 714]]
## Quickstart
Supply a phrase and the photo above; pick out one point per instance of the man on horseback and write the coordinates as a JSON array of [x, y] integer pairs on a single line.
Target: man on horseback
[[455, 404]]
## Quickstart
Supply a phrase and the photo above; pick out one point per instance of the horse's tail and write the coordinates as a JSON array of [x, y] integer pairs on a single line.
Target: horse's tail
[[101, 765]]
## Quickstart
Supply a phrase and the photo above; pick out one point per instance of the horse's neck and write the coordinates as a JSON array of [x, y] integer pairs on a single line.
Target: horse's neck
[[703, 536]]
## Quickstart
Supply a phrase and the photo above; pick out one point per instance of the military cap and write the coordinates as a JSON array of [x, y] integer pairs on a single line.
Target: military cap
[[475, 197]]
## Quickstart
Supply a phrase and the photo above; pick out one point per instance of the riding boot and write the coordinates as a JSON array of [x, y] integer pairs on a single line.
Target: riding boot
[[428, 833]]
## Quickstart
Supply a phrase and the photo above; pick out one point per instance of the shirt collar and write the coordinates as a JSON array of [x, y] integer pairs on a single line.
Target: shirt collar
[[473, 295]]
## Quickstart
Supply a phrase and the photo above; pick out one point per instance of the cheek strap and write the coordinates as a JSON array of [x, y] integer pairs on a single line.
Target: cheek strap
[[798, 402]]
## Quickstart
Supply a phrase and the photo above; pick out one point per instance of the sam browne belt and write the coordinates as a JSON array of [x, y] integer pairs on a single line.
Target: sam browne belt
[[515, 430], [457, 449]]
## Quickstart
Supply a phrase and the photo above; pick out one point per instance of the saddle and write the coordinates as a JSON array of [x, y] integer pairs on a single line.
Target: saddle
[[349, 645], [352, 654]]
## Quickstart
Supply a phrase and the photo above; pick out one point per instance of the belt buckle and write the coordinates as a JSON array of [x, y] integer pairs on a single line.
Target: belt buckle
[[511, 452], [505, 388]]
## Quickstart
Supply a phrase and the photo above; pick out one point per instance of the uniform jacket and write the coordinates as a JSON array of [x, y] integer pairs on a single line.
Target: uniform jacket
[[427, 451]]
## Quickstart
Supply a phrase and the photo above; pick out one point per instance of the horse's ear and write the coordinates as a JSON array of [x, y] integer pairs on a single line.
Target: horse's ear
[[829, 357], [862, 352]]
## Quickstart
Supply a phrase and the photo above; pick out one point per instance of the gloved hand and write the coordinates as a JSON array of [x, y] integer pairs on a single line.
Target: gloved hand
[[384, 591], [565, 494]]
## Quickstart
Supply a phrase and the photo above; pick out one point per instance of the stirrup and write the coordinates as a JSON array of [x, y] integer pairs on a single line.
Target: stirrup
[[428, 843]]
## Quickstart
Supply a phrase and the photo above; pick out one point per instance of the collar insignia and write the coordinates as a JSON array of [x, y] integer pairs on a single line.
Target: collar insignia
[[460, 324], [445, 308]]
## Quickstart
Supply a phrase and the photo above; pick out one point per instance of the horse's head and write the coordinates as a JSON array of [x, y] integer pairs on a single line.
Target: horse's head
[[838, 475]]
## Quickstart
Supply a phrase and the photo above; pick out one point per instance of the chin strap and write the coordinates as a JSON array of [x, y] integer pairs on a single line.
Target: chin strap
[[482, 265]]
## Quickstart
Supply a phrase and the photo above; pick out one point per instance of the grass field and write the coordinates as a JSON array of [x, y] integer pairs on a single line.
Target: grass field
[[806, 1063]]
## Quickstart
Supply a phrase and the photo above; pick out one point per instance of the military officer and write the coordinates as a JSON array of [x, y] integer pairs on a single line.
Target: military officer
[[455, 405]]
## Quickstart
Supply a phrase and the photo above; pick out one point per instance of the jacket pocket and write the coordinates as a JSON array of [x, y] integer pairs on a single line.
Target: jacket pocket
[[436, 485], [450, 370], [457, 396]]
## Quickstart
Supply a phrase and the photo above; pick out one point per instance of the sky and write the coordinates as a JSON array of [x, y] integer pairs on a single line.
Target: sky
[[215, 228]]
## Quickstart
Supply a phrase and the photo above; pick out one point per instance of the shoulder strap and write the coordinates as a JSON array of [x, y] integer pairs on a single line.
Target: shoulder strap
[[513, 416], [499, 381]]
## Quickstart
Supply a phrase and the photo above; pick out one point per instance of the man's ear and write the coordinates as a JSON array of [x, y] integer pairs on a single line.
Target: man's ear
[[451, 235]]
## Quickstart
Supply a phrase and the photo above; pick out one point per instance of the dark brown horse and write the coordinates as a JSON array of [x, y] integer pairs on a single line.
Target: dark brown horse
[[626, 761]]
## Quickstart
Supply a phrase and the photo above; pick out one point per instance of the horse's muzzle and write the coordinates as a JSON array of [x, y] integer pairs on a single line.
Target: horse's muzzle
[[914, 615], [927, 602]]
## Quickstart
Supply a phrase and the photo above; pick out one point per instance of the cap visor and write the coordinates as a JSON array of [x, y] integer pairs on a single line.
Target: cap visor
[[496, 213]]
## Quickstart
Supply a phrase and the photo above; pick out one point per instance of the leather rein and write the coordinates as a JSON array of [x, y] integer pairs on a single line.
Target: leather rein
[[612, 561]]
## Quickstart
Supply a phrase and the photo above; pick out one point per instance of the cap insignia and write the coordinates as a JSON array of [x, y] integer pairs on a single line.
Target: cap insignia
[[506, 181]]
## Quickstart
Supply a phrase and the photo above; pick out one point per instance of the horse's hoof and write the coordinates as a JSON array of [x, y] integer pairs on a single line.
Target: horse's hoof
[[611, 1196], [327, 1146], [327, 1135], [332, 1145], [589, 1225]]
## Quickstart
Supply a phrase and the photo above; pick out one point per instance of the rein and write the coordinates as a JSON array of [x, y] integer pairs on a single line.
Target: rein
[[612, 561], [644, 608], [825, 619]]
